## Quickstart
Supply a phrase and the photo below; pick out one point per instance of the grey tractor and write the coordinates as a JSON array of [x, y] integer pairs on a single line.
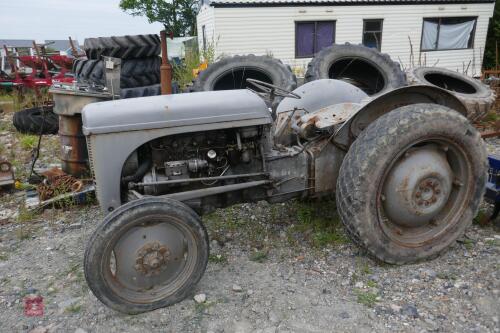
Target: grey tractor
[[407, 168]]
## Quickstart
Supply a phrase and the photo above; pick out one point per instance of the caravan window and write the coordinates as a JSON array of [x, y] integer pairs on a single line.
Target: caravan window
[[311, 37], [448, 33], [372, 33]]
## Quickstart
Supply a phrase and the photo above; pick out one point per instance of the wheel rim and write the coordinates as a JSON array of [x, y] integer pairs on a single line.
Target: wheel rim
[[150, 260], [424, 192]]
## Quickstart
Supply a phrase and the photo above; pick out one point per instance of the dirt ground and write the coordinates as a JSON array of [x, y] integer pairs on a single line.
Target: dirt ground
[[273, 268]]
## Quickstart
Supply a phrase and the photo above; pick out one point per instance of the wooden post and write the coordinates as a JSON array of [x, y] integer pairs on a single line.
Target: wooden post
[[165, 68]]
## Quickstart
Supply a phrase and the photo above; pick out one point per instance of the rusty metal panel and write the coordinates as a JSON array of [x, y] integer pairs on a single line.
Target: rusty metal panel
[[74, 155], [327, 161]]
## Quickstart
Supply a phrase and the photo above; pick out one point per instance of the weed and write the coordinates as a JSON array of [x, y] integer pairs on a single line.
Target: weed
[[259, 256], [25, 215], [75, 308], [28, 141], [217, 259], [202, 307], [184, 73], [363, 267], [4, 257], [493, 242], [468, 243], [365, 297], [371, 284], [77, 271], [25, 231], [481, 217]]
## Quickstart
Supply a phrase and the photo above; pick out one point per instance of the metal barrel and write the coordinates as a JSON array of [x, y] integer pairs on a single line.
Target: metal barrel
[[74, 154]]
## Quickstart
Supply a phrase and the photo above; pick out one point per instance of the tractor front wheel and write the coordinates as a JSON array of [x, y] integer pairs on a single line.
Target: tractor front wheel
[[147, 254], [412, 182]]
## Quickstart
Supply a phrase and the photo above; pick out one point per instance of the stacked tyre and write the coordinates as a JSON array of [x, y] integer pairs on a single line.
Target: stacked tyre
[[477, 97], [140, 66], [366, 68]]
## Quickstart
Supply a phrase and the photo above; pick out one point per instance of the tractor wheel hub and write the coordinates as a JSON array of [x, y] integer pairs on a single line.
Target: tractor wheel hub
[[417, 187]]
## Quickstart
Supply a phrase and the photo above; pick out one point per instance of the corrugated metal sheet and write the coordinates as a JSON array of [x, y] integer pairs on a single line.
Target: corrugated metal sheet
[[16, 42], [217, 3]]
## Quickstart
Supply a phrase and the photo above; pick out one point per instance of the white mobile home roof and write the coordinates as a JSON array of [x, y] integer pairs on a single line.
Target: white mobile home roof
[[221, 3]]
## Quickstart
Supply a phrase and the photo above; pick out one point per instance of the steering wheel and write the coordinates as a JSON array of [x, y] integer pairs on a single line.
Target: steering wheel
[[271, 89]]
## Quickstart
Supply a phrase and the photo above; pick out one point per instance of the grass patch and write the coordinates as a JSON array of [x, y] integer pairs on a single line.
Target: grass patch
[[4, 257], [259, 256], [366, 298], [319, 223], [371, 284]]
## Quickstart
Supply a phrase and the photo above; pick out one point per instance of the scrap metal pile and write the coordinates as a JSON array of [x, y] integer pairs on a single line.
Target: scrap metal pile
[[40, 70]]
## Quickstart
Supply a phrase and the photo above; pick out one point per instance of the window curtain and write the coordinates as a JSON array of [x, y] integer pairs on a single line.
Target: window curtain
[[429, 35], [455, 36]]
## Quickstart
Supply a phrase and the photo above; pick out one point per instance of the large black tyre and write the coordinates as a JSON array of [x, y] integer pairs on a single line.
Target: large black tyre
[[364, 190], [364, 67], [231, 73], [125, 295], [477, 97], [152, 90], [36, 120], [134, 72], [124, 47]]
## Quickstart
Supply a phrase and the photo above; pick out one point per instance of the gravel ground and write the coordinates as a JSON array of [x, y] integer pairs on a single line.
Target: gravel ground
[[273, 268]]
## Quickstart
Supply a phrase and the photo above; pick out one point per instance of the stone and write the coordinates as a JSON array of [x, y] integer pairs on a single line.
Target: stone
[[237, 288], [344, 315], [40, 329], [242, 327], [395, 308], [74, 226], [273, 317], [69, 302], [80, 330], [200, 298], [409, 310]]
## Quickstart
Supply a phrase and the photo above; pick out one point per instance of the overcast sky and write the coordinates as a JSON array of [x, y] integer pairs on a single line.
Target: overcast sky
[[57, 19]]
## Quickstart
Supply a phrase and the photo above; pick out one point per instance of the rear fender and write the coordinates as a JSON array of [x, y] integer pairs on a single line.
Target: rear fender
[[394, 99]]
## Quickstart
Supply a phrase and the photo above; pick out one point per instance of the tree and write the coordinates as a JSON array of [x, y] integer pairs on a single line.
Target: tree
[[177, 16], [492, 39]]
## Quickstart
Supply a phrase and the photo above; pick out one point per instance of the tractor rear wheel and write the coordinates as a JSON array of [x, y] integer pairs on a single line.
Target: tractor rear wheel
[[412, 182], [147, 254]]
